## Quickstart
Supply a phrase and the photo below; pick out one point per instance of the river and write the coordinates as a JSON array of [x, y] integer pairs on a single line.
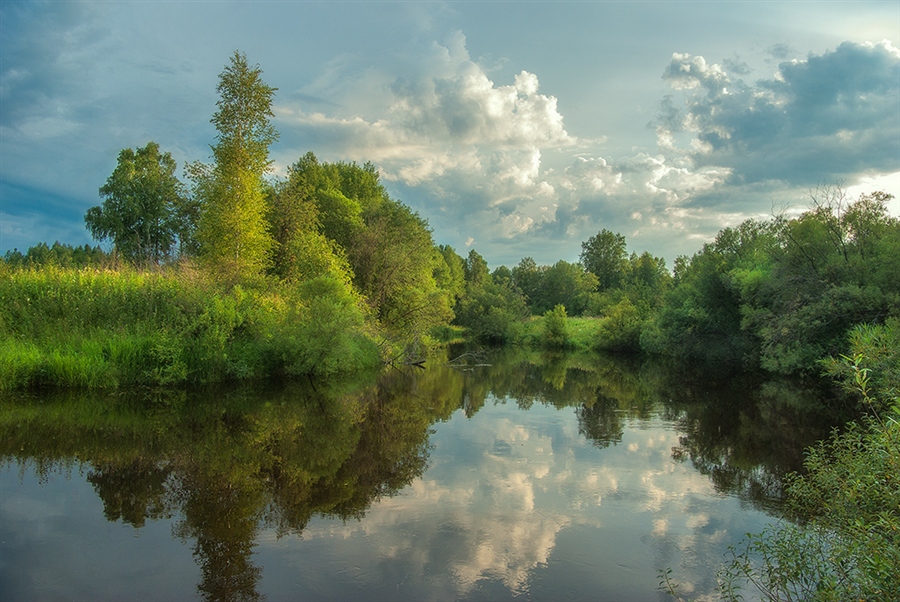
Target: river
[[508, 476]]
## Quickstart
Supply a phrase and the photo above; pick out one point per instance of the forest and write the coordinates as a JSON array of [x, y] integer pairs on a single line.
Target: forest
[[239, 275]]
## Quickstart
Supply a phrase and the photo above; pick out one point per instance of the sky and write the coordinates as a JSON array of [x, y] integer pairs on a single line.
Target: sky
[[519, 129]]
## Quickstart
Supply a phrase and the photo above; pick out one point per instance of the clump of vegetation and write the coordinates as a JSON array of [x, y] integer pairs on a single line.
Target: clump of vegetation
[[233, 277], [779, 295], [556, 331], [93, 328]]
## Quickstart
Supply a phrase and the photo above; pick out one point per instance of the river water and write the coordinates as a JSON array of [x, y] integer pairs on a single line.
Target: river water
[[512, 476]]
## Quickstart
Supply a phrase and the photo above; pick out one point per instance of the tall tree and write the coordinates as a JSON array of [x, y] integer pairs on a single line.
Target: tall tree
[[476, 270], [233, 232], [141, 210], [604, 256]]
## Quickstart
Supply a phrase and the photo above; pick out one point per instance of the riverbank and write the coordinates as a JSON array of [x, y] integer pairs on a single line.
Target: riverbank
[[119, 327]]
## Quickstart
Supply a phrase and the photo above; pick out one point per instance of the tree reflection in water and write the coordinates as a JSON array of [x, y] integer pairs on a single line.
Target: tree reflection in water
[[228, 462]]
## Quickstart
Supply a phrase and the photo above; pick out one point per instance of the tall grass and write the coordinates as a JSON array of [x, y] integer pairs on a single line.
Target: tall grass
[[106, 328]]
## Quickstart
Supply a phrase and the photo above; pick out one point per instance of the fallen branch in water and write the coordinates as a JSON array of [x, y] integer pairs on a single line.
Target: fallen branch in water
[[469, 360]]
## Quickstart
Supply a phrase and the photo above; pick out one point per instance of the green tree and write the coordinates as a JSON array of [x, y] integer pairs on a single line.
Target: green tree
[[834, 266], [563, 283], [493, 313], [604, 256], [528, 277], [477, 272], [703, 317], [233, 233], [452, 275], [302, 251], [141, 211], [394, 264]]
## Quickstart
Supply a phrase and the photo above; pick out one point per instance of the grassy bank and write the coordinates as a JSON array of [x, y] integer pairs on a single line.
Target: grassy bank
[[578, 334], [107, 328]]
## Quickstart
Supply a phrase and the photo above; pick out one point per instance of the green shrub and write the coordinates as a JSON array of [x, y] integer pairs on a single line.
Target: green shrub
[[556, 331], [324, 336], [620, 329]]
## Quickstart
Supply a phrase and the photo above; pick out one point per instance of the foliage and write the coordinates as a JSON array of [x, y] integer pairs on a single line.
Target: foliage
[[144, 211], [493, 313], [325, 338], [604, 256], [450, 273], [476, 270], [620, 329], [871, 373], [701, 317], [563, 283], [850, 550], [336, 219], [394, 264], [556, 333], [232, 232], [58, 254], [835, 266], [782, 294], [87, 328]]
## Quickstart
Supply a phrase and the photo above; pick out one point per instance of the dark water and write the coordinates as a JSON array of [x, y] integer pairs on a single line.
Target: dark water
[[534, 478]]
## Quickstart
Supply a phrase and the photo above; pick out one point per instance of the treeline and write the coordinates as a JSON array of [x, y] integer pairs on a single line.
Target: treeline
[[779, 295], [322, 272], [58, 254]]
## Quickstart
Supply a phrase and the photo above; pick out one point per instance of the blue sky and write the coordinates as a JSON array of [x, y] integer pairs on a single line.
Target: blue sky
[[515, 128]]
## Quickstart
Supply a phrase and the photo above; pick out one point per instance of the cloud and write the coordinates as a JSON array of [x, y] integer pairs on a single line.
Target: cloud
[[444, 125], [472, 154], [479, 145], [507, 493], [826, 118]]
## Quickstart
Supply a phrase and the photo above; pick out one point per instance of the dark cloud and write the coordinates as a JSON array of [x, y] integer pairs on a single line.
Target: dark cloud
[[780, 52], [826, 118], [736, 66], [37, 67]]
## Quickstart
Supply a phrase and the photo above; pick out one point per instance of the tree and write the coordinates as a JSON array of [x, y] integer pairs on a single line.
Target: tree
[[141, 212], [302, 251], [451, 276], [492, 312], [835, 266], [566, 284], [394, 261], [527, 277], [604, 255], [477, 272], [233, 233]]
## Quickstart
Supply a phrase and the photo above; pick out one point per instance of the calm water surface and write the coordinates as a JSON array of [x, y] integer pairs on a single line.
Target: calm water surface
[[534, 478]]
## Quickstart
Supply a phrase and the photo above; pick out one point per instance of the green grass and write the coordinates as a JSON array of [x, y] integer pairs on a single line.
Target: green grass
[[107, 328], [581, 333]]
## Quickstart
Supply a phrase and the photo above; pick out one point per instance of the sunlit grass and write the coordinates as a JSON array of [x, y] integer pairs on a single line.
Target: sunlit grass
[[107, 328], [581, 333]]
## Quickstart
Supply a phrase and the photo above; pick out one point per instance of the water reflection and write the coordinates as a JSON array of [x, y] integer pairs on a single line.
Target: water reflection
[[383, 490]]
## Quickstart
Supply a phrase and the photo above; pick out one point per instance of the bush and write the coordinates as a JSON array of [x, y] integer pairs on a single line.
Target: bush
[[620, 330], [556, 331]]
